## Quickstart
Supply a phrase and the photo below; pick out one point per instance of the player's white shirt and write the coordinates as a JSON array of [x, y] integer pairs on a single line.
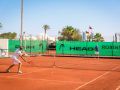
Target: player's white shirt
[[17, 53]]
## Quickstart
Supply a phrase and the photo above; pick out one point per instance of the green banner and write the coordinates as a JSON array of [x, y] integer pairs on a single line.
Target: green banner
[[29, 45], [88, 48], [13, 45]]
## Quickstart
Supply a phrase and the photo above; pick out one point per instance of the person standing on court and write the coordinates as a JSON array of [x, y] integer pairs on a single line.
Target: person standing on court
[[15, 59], [97, 50]]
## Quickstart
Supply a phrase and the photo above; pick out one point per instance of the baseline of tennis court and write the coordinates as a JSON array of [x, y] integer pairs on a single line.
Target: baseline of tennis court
[[62, 73]]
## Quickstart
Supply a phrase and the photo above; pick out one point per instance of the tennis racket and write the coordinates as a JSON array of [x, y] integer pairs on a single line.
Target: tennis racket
[[25, 60]]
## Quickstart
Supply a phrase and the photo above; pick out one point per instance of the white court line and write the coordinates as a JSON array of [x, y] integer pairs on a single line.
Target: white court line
[[118, 88], [96, 78], [14, 76], [24, 73], [29, 73], [41, 79]]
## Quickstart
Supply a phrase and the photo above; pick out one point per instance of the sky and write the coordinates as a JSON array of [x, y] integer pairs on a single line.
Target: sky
[[102, 15]]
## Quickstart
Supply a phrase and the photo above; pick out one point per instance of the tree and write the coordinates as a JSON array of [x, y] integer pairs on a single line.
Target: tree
[[70, 34], [98, 38], [45, 27], [8, 35], [90, 36]]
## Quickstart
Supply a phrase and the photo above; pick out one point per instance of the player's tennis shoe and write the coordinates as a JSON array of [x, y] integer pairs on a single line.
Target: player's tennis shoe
[[7, 71], [19, 72]]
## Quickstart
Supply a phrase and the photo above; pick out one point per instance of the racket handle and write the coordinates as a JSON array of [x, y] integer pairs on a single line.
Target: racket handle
[[29, 62]]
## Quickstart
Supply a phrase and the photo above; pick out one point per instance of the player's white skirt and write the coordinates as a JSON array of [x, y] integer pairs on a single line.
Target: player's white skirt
[[97, 53], [15, 60]]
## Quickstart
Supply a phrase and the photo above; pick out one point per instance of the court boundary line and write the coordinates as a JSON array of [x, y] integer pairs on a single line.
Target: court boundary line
[[96, 78], [17, 74], [40, 79]]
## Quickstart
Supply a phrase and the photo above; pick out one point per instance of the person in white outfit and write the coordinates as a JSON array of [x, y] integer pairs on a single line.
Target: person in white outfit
[[15, 59]]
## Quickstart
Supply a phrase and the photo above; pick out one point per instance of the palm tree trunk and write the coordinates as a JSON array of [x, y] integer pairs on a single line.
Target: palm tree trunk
[[45, 35]]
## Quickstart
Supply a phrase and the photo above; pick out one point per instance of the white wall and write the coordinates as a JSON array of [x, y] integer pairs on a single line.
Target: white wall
[[3, 47]]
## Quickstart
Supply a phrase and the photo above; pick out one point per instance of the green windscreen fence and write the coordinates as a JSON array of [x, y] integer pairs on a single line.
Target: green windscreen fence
[[87, 48], [29, 45]]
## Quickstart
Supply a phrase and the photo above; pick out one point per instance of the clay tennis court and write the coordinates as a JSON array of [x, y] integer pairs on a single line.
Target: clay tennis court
[[62, 73]]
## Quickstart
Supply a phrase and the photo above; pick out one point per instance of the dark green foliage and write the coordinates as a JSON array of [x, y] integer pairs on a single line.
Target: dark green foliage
[[8, 35], [70, 34], [98, 38]]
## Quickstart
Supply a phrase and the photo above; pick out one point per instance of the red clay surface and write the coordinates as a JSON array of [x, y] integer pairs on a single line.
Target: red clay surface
[[88, 74]]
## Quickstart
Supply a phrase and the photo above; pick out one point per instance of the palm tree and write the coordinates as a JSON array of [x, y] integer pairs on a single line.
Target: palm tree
[[70, 33], [0, 25], [45, 27], [98, 38]]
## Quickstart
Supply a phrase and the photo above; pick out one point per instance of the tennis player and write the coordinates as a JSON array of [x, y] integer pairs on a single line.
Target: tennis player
[[15, 59]]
